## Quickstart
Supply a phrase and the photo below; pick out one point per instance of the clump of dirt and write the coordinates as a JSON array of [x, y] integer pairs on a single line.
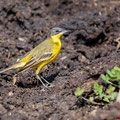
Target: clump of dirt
[[87, 51]]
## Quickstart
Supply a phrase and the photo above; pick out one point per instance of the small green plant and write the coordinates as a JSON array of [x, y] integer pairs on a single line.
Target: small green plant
[[98, 90], [101, 94], [112, 77], [79, 92], [106, 96]]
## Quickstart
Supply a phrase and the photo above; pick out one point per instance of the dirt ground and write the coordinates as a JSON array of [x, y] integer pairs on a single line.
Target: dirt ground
[[88, 51]]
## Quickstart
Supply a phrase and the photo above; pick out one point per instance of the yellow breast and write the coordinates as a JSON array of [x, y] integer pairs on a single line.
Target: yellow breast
[[56, 49]]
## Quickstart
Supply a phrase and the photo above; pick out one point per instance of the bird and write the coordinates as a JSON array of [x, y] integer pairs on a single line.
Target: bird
[[40, 56]]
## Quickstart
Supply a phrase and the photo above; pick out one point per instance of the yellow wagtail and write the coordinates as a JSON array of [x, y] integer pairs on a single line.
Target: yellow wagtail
[[41, 55]]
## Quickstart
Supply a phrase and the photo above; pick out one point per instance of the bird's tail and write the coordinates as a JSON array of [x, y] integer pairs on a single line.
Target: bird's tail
[[9, 68], [16, 66]]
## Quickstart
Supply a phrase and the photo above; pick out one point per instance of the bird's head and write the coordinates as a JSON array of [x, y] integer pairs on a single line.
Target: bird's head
[[57, 32]]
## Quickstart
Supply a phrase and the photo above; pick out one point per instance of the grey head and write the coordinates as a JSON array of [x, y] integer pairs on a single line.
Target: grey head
[[56, 31]]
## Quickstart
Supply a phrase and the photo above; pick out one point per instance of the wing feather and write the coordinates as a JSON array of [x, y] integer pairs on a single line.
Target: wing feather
[[39, 54], [34, 60]]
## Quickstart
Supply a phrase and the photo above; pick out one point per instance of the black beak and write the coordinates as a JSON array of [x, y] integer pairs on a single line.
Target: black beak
[[65, 31]]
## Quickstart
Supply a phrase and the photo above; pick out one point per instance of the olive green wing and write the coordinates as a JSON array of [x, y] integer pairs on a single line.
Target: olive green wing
[[39, 54]]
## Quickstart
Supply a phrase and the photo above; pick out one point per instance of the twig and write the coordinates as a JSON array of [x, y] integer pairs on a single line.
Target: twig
[[93, 102]]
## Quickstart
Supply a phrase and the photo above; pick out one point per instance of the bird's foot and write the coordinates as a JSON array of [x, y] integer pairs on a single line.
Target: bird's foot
[[44, 82]]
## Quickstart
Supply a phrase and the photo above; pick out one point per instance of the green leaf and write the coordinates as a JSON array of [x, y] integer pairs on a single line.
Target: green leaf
[[110, 97], [118, 76], [118, 82], [113, 72], [110, 73], [110, 89], [113, 95], [79, 92], [98, 89], [112, 76], [116, 68], [105, 77], [106, 99], [91, 99]]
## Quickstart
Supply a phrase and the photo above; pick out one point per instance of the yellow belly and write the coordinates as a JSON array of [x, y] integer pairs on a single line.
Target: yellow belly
[[55, 54]]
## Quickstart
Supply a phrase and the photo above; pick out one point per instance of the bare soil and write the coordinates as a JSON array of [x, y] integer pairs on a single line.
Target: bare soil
[[87, 52]]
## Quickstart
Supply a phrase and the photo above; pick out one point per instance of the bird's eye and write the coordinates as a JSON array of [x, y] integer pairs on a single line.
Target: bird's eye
[[57, 31]]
